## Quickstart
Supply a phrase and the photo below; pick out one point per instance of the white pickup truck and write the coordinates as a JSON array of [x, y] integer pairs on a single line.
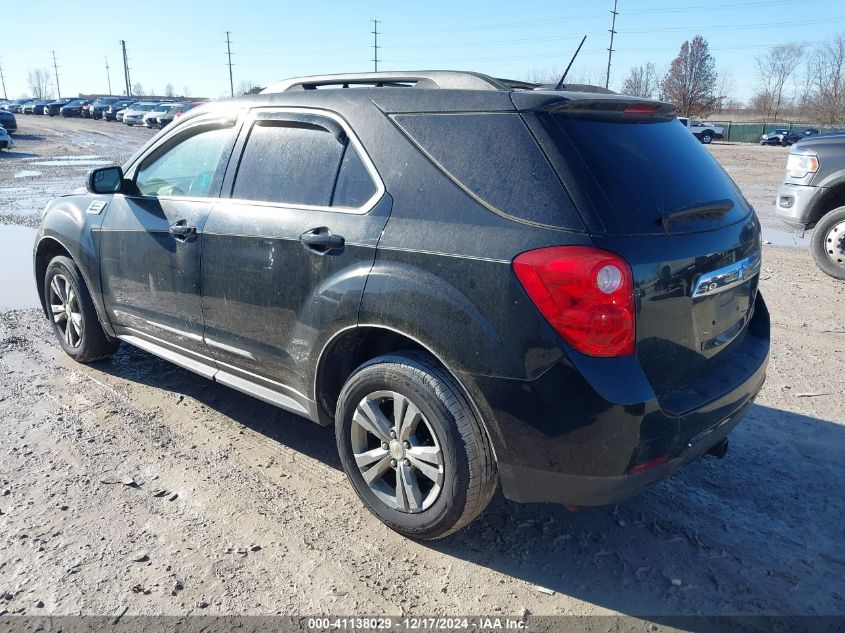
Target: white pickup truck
[[704, 132]]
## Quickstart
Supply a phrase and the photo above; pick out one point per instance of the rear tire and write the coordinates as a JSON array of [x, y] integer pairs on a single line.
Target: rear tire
[[828, 243], [706, 138], [72, 313], [436, 472]]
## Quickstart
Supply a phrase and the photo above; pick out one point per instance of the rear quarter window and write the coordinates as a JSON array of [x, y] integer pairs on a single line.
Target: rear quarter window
[[494, 158]]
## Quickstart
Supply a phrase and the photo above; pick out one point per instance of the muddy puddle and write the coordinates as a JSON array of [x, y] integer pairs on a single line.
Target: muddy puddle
[[785, 237], [17, 286]]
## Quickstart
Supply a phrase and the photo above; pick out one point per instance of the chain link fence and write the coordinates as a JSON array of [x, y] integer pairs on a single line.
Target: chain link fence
[[750, 131]]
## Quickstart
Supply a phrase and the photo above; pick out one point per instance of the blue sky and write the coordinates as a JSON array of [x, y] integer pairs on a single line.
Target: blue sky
[[183, 43]]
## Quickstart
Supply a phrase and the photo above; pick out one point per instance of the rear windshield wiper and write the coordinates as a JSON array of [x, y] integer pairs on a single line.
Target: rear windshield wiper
[[709, 210]]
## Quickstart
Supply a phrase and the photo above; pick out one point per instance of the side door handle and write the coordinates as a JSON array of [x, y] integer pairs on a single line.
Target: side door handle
[[182, 231], [322, 241]]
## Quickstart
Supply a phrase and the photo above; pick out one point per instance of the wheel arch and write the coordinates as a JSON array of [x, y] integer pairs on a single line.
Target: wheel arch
[[353, 346], [48, 247], [833, 198]]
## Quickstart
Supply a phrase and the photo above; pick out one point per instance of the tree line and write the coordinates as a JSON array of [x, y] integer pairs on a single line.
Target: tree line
[[794, 79]]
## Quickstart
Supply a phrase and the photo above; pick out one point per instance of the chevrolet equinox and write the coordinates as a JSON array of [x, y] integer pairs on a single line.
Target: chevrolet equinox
[[476, 280]]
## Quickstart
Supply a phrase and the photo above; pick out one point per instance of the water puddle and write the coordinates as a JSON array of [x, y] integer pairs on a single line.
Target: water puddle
[[70, 158], [71, 163], [17, 284], [27, 173], [785, 237]]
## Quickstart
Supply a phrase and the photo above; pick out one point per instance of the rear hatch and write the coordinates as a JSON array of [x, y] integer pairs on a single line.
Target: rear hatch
[[648, 191]]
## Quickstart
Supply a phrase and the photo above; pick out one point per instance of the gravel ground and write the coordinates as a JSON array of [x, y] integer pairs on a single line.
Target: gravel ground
[[133, 484]]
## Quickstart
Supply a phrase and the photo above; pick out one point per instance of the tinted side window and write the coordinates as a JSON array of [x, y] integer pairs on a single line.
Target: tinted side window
[[290, 163], [185, 168], [496, 159], [354, 184]]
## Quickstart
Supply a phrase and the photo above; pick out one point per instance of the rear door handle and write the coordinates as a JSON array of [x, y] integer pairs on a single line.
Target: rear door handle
[[182, 231], [322, 241]]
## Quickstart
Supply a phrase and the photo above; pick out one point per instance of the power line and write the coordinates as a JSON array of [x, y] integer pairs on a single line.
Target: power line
[[610, 49], [56, 69], [108, 74], [229, 53], [126, 69], [375, 45]]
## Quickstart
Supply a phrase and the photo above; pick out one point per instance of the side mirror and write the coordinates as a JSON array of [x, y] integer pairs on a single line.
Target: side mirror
[[105, 180]]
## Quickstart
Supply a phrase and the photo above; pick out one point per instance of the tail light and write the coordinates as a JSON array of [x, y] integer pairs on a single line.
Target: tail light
[[586, 294]]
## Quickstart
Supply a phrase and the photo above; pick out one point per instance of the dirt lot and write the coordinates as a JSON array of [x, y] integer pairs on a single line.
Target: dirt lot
[[135, 484]]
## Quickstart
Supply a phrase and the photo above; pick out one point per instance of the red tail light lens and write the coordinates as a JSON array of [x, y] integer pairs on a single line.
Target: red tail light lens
[[642, 108], [585, 293]]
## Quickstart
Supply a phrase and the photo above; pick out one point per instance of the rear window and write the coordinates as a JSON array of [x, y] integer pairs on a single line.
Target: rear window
[[495, 159], [634, 173]]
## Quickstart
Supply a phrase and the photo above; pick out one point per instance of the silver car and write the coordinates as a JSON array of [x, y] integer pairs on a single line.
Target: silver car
[[134, 114]]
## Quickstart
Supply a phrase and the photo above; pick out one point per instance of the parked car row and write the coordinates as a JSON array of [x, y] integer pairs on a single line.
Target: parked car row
[[151, 113]]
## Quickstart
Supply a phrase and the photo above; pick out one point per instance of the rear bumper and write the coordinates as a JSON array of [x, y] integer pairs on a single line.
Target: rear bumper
[[573, 435], [524, 484], [794, 204]]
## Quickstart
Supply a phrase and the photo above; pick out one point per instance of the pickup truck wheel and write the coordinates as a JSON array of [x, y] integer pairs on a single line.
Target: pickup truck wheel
[[73, 315], [828, 243], [412, 447], [706, 137]]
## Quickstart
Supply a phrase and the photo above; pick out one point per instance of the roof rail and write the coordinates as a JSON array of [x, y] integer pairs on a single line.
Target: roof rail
[[443, 79]]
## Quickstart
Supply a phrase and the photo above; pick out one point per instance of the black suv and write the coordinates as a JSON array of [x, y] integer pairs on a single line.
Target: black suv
[[98, 107], [472, 279], [110, 112]]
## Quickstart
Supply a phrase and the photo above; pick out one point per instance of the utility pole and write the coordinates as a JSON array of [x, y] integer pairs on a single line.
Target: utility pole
[[126, 69], [56, 69], [375, 44], [229, 53], [3, 80], [108, 74], [610, 50]]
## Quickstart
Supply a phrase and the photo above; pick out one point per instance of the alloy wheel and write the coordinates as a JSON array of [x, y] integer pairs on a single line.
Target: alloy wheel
[[64, 307], [397, 451]]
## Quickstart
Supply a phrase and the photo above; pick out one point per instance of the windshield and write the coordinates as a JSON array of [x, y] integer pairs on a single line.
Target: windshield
[[142, 108]]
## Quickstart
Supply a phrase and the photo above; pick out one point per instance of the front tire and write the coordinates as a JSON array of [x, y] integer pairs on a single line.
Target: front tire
[[828, 243], [706, 138], [72, 312], [412, 447]]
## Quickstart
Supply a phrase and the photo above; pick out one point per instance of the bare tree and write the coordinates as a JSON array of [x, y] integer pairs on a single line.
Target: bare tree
[[774, 69], [249, 87], [39, 83], [137, 89], [169, 91], [827, 86], [641, 81], [725, 89], [589, 76], [690, 82], [542, 76]]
